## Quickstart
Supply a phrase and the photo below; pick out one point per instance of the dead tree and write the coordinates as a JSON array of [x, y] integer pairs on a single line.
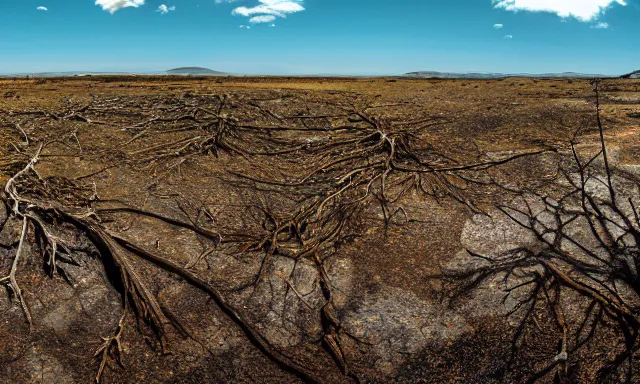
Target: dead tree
[[583, 277]]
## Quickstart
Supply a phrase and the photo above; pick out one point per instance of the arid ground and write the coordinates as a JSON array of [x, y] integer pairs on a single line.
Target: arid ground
[[178, 230]]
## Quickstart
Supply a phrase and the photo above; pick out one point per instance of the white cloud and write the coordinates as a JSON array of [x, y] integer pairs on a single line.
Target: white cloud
[[262, 19], [508, 37], [268, 10], [272, 25], [163, 9], [498, 26], [41, 8], [113, 5], [583, 10], [600, 25]]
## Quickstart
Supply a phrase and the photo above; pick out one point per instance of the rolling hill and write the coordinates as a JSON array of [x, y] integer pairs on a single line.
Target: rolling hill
[[632, 75], [198, 71]]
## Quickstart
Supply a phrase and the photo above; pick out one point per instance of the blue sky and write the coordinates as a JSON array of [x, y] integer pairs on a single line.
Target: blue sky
[[363, 37]]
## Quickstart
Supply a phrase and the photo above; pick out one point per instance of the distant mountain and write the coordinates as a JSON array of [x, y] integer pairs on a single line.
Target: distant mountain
[[185, 71], [198, 71], [632, 75], [194, 71], [564, 74], [451, 75], [68, 74], [475, 75]]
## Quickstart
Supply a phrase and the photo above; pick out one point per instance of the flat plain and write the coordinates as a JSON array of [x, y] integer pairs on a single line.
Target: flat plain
[[231, 229]]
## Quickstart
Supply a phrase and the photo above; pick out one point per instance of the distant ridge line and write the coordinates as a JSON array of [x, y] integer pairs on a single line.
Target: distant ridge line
[[632, 75], [194, 71], [479, 75]]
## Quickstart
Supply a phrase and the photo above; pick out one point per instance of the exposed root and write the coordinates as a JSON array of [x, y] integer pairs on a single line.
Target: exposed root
[[351, 160], [118, 251], [111, 349], [595, 271], [11, 279]]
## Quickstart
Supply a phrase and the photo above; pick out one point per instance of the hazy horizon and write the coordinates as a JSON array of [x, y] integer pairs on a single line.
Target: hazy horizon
[[307, 37], [161, 72]]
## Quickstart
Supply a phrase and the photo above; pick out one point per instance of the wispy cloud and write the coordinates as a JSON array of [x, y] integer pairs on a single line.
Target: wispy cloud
[[41, 8], [262, 19], [163, 9], [112, 6], [508, 37], [267, 10], [600, 25], [583, 10], [498, 26]]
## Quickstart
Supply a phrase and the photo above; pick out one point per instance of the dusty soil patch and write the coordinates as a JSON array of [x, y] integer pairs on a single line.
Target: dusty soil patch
[[260, 162]]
